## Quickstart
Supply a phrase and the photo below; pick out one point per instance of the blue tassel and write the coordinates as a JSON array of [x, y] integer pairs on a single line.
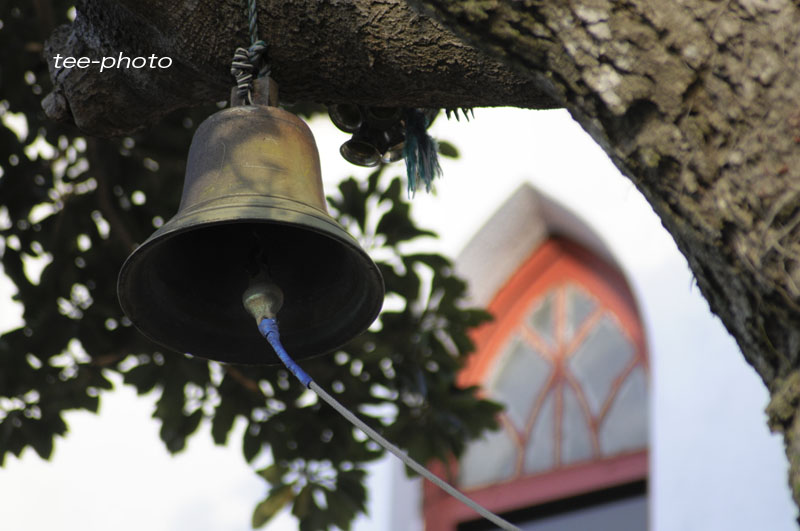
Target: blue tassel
[[420, 152]]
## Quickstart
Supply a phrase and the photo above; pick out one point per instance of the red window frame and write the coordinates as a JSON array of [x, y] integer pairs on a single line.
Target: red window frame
[[555, 262]]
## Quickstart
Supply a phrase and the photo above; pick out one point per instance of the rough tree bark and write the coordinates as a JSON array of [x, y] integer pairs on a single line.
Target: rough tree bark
[[378, 52], [697, 101]]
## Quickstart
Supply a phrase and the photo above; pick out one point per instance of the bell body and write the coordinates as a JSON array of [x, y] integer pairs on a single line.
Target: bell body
[[252, 198]]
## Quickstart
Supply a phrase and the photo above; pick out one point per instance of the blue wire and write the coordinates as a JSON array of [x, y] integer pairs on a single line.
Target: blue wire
[[269, 329]]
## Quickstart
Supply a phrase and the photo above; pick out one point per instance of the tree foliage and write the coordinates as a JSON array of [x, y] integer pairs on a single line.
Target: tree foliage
[[72, 208]]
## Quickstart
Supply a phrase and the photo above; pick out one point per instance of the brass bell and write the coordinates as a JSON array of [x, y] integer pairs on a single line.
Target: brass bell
[[346, 116], [393, 145], [252, 195], [361, 149]]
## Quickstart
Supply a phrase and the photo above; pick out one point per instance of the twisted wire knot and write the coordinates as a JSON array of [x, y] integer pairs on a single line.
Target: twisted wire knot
[[245, 61]]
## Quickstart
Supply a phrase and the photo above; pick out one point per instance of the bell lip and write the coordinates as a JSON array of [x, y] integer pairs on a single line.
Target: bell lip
[[215, 215], [336, 117], [350, 155]]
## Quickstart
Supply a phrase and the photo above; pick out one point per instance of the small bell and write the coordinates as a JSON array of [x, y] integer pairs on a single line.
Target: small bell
[[394, 142], [361, 149], [346, 116]]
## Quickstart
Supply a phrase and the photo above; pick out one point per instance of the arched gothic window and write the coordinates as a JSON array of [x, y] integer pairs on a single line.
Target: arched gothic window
[[574, 387], [566, 355]]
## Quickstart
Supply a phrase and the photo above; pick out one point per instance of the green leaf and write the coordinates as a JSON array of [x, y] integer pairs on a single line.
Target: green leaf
[[224, 417], [398, 227], [392, 192], [304, 501], [373, 180], [353, 201], [143, 377], [272, 473], [341, 509], [251, 445], [40, 437], [407, 286], [100, 381], [270, 506], [447, 149], [436, 262], [351, 484], [175, 431]]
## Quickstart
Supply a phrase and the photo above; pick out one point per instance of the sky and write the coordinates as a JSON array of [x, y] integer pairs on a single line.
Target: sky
[[714, 464]]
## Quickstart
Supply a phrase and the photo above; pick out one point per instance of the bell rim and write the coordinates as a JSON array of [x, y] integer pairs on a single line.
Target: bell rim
[[328, 228]]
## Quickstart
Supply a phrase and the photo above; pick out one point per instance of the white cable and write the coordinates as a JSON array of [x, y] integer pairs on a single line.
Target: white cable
[[430, 476], [260, 300]]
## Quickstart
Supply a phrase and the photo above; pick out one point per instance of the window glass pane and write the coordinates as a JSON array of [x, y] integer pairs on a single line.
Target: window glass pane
[[519, 380], [488, 460], [598, 361], [626, 514], [576, 437], [625, 425], [540, 450], [579, 307], [542, 319]]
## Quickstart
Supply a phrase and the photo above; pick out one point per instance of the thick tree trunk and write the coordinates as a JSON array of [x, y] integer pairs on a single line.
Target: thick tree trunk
[[698, 102]]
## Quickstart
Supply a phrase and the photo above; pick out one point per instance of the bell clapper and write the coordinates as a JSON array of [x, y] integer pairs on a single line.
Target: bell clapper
[[262, 298]]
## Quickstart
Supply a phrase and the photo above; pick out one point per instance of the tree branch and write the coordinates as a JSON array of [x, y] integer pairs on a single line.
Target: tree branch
[[248, 383], [363, 51]]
